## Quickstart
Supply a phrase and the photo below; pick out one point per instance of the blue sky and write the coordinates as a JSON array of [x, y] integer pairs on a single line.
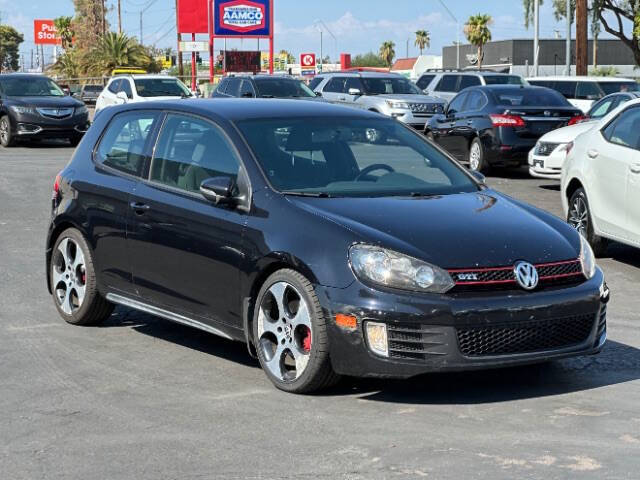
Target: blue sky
[[359, 25]]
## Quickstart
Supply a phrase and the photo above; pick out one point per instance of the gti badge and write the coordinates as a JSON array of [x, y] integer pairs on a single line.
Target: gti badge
[[526, 275], [466, 277]]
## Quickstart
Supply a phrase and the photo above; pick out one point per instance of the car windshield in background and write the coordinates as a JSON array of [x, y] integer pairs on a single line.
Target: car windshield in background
[[348, 157], [282, 88], [532, 97], [92, 88], [389, 86], [503, 80], [615, 87], [161, 87], [30, 87]]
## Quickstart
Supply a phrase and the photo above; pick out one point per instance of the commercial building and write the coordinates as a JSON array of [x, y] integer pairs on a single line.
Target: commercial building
[[413, 67]]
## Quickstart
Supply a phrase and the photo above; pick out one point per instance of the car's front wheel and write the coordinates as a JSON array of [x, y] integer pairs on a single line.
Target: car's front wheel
[[579, 217], [290, 334], [6, 136], [73, 281]]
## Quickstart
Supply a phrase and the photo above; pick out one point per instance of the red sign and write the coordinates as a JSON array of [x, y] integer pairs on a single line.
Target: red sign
[[45, 33], [192, 16], [308, 60]]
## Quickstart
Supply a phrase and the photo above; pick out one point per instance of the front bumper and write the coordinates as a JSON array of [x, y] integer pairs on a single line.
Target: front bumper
[[431, 332], [29, 126], [549, 166]]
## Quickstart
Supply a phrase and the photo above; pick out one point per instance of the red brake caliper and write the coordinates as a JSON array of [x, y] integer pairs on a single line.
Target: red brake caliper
[[306, 341]]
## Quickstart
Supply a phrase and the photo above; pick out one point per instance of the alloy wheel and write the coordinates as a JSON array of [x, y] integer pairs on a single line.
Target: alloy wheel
[[4, 131], [579, 215], [69, 275], [284, 331], [474, 156]]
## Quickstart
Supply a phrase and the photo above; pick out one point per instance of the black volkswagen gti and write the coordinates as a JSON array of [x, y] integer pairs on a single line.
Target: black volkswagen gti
[[497, 125], [292, 227], [34, 107]]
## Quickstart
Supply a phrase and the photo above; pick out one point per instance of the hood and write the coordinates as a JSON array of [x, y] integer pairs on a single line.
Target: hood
[[568, 134], [482, 229], [159, 99], [416, 98], [47, 102]]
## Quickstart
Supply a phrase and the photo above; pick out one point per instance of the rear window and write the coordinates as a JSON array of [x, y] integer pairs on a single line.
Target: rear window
[[529, 97], [503, 80], [615, 87]]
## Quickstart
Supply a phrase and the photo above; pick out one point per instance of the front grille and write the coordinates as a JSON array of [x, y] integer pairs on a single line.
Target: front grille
[[524, 337], [57, 113], [567, 272], [544, 149], [427, 108], [414, 341]]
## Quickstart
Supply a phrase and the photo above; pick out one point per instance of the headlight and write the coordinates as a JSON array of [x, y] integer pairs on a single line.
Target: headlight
[[18, 109], [81, 110], [587, 259], [391, 269], [394, 104]]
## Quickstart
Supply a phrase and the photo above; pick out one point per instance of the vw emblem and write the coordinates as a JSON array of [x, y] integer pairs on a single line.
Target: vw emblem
[[526, 275]]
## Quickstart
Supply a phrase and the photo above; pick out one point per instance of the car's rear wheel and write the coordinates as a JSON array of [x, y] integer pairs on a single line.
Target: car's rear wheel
[[73, 281], [477, 161], [579, 217], [290, 334], [6, 136]]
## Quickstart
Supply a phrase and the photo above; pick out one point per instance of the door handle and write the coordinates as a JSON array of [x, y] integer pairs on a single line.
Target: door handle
[[635, 168], [139, 207], [343, 98], [592, 153]]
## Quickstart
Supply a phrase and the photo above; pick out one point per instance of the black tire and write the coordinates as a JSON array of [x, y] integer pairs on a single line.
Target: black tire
[[93, 308], [7, 138], [579, 208], [477, 157], [318, 373], [75, 140]]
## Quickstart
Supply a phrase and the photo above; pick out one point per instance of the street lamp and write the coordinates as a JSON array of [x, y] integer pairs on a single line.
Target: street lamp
[[335, 40], [457, 33]]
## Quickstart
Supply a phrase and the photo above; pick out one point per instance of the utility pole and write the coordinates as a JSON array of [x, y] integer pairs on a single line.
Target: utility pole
[[104, 19], [119, 18], [179, 52], [567, 61], [457, 33], [581, 37], [536, 36]]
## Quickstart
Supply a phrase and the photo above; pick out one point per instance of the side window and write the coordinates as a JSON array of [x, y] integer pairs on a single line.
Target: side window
[[568, 89], [475, 101], [114, 86], [125, 86], [625, 130], [246, 89], [335, 85], [315, 82], [424, 81], [222, 85], [448, 83], [456, 104], [190, 150], [233, 88], [123, 144], [601, 108], [353, 82], [588, 91], [468, 81]]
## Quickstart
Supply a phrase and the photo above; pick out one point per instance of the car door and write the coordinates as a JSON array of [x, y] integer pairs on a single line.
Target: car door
[[185, 250], [350, 84], [444, 126], [334, 89], [467, 122], [614, 164], [119, 160], [447, 87]]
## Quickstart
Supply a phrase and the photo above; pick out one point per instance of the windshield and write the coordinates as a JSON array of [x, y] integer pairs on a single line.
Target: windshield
[[615, 87], [283, 88], [161, 87], [92, 88], [531, 97], [351, 157], [389, 86], [503, 80], [30, 87]]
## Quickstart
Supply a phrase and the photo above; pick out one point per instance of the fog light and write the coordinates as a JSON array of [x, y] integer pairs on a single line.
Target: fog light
[[377, 338]]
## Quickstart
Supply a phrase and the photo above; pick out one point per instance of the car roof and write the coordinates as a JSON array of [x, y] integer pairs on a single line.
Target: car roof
[[22, 75], [581, 78], [361, 74], [263, 76]]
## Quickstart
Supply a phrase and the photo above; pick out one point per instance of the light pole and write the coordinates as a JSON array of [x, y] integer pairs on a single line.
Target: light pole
[[536, 35], [335, 40], [457, 33], [567, 62]]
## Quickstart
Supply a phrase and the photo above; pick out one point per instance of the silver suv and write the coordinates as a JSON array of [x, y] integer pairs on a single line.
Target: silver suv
[[386, 93], [446, 84]]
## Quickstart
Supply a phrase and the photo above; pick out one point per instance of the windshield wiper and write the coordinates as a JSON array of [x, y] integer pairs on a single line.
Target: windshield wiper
[[267, 96], [308, 194], [421, 195]]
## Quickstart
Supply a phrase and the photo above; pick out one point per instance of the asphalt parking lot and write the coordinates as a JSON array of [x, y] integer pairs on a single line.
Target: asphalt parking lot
[[140, 397]]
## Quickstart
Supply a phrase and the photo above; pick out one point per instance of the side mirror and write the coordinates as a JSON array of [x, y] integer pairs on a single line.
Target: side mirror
[[247, 95], [355, 91], [122, 97], [218, 190], [478, 176]]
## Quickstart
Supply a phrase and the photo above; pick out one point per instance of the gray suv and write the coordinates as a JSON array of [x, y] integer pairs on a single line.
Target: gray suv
[[387, 93], [446, 84]]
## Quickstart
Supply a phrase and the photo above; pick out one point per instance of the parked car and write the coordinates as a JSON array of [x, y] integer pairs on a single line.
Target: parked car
[[446, 84], [90, 93], [218, 215], [497, 125], [547, 157], [141, 88], [262, 86], [33, 107], [386, 93], [582, 91], [601, 179]]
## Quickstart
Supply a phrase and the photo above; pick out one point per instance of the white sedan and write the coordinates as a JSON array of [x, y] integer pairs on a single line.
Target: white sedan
[[601, 179], [546, 158]]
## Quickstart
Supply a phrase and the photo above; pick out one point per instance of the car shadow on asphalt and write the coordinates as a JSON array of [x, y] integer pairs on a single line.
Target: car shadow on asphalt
[[623, 253], [513, 173], [617, 363], [553, 187], [45, 144]]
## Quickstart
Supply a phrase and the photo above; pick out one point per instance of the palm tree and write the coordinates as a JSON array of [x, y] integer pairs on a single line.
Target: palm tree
[[387, 52], [68, 65], [477, 32], [64, 26], [117, 50], [423, 40]]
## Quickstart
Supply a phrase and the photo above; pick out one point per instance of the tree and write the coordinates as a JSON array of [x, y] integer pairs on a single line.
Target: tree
[[64, 26], [620, 10], [423, 40], [68, 64], [559, 10], [10, 41], [477, 32], [89, 22], [117, 50], [290, 58], [387, 52], [367, 60]]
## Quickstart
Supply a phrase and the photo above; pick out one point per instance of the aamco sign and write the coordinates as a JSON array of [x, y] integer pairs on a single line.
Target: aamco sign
[[45, 33], [242, 18]]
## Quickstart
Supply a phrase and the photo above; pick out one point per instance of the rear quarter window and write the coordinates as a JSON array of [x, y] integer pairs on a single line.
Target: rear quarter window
[[448, 83]]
